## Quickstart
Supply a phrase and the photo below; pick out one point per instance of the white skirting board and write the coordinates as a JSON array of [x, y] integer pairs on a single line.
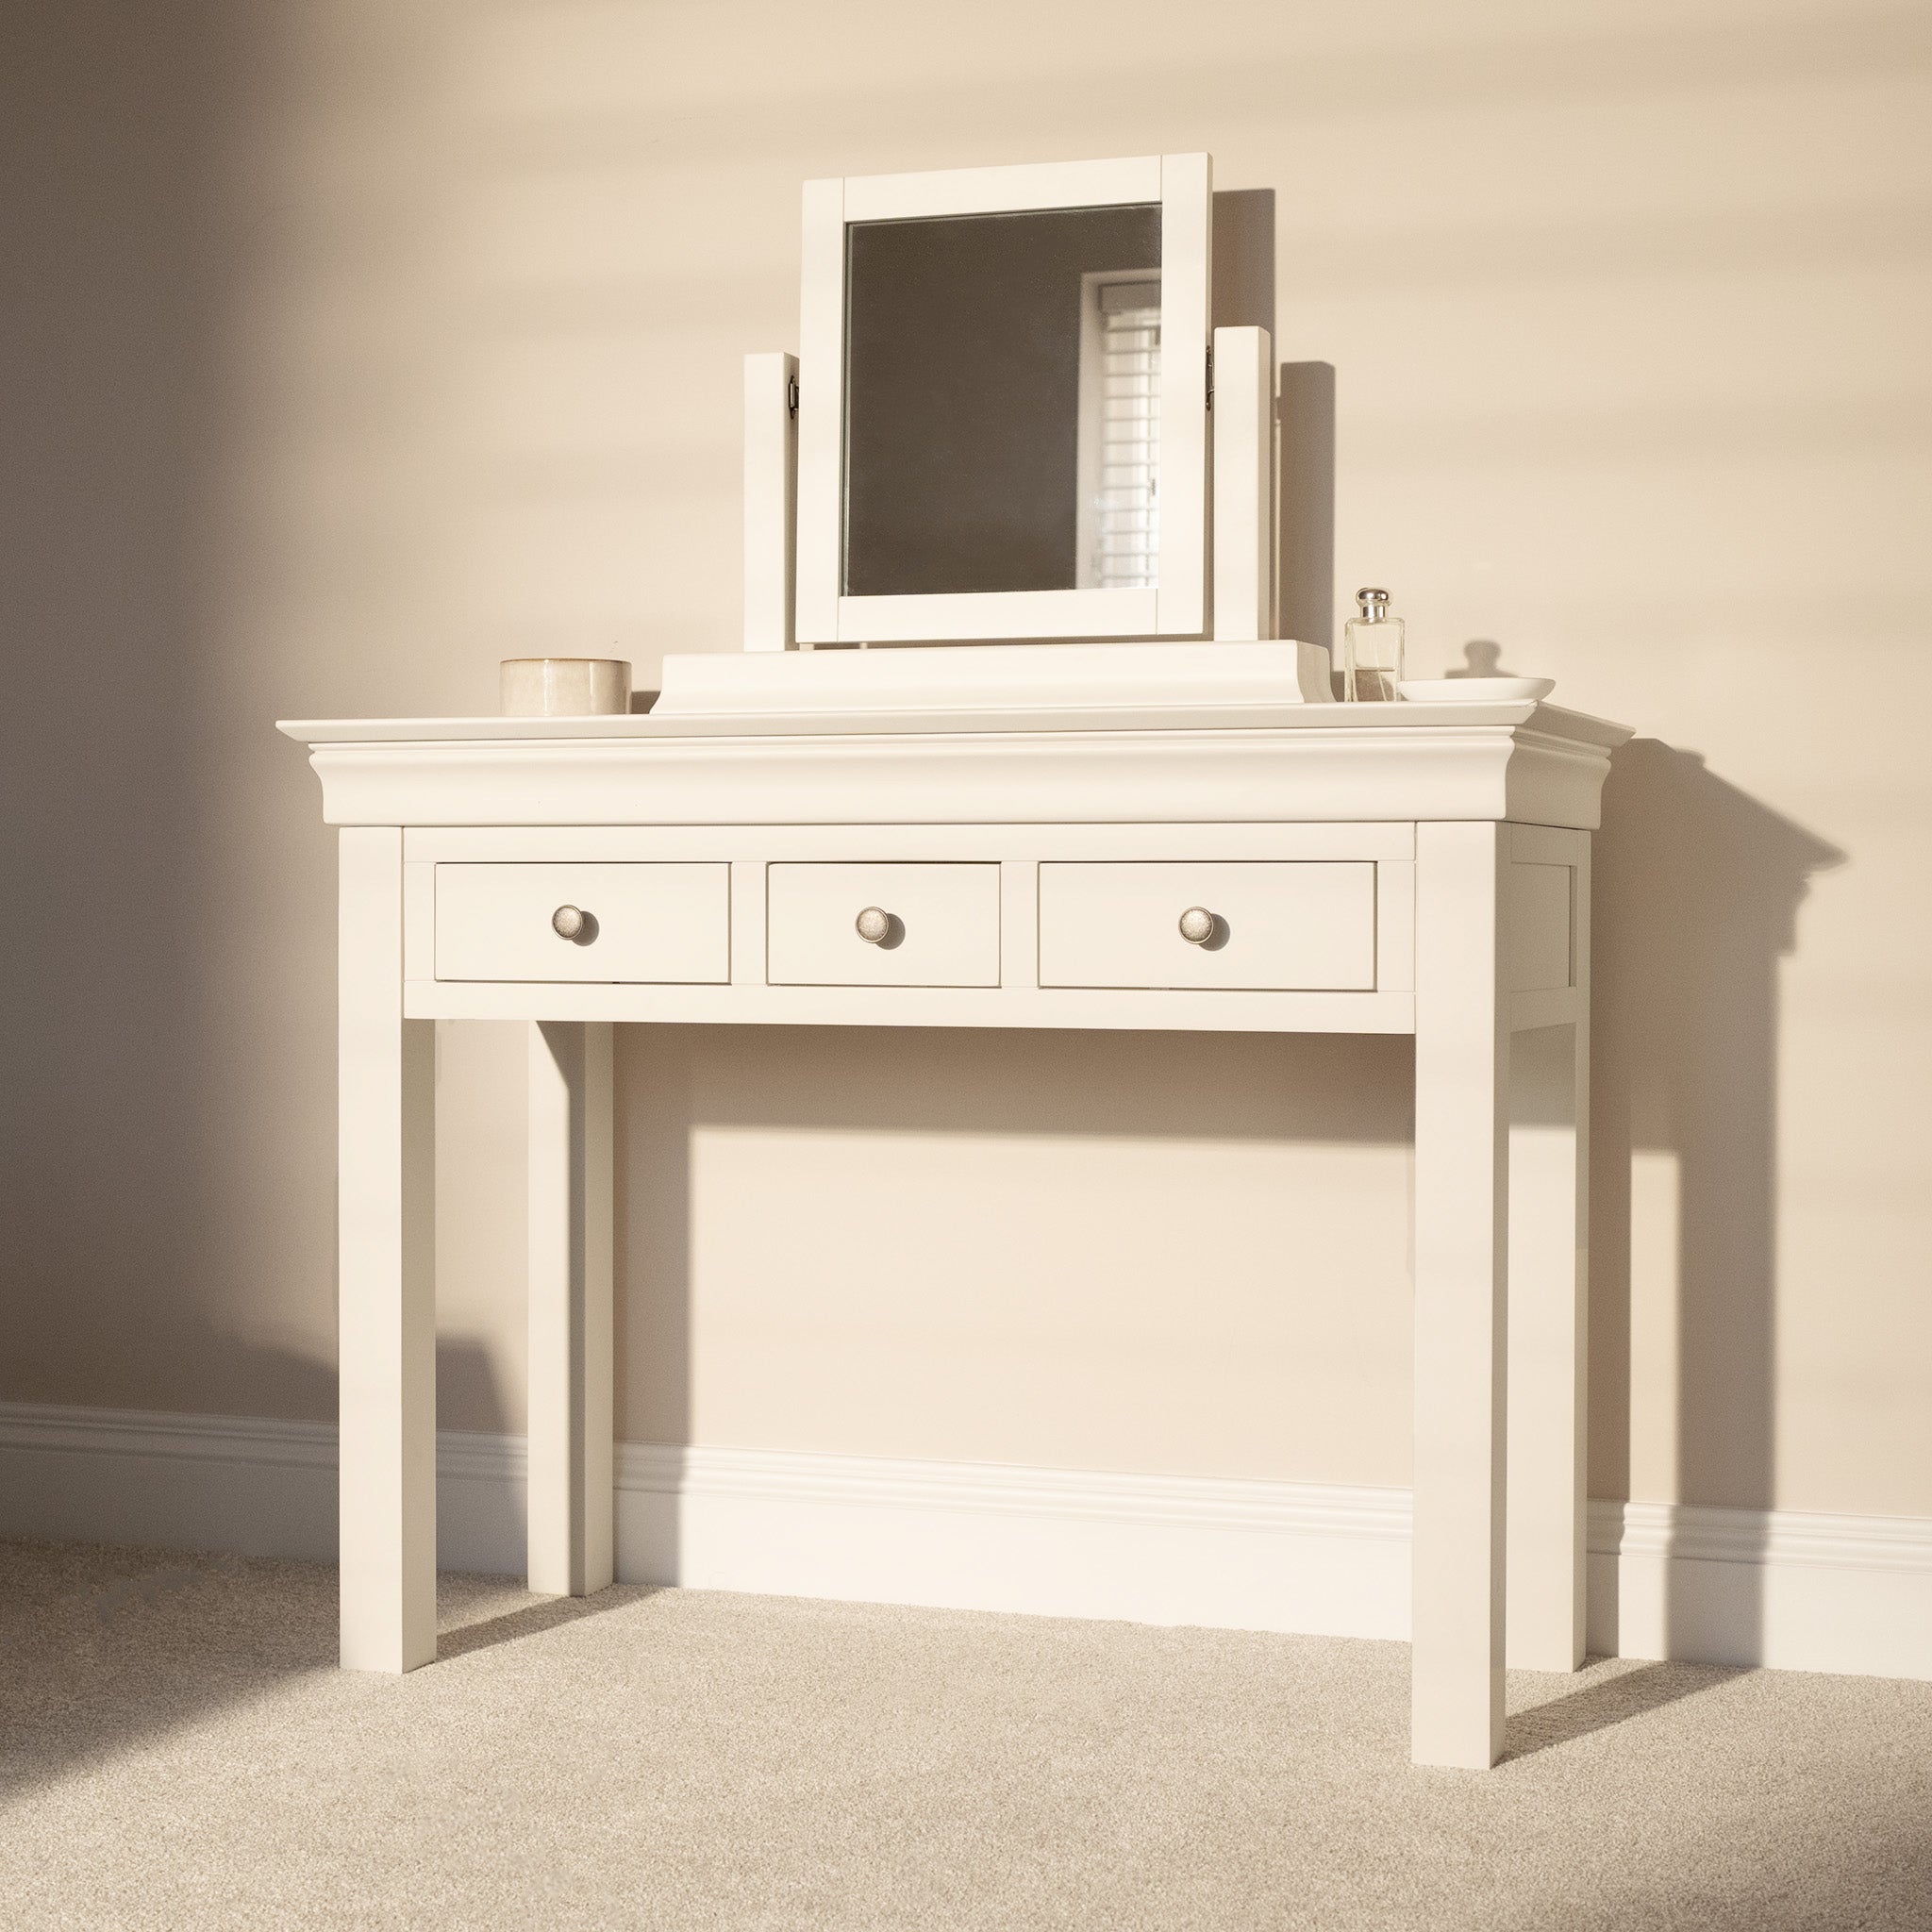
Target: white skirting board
[[1790, 1589]]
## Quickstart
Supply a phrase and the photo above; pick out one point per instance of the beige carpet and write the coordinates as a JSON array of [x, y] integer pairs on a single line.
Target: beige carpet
[[181, 1752]]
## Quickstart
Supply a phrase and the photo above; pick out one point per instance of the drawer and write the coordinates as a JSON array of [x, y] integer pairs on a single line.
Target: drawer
[[942, 924], [1303, 926], [643, 924]]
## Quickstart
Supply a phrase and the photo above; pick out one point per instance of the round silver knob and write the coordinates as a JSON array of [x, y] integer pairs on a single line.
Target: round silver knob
[[874, 924], [1197, 925], [567, 921]]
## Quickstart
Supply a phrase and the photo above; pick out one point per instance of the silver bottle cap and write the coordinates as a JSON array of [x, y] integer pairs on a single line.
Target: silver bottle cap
[[1373, 604]]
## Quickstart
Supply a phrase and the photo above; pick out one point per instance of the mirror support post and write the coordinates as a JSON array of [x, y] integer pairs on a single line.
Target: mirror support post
[[1187, 280], [771, 500], [1243, 521]]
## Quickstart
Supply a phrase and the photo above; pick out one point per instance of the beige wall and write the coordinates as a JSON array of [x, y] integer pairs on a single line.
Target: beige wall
[[353, 346]]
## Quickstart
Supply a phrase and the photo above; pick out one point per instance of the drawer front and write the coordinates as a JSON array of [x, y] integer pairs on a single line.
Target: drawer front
[[942, 924], [645, 924], [1299, 926]]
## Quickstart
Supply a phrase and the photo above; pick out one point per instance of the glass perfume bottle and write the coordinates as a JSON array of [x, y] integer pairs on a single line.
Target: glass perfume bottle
[[1372, 652]]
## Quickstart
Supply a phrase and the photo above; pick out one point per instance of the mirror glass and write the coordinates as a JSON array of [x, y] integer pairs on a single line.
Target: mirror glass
[[1003, 402]]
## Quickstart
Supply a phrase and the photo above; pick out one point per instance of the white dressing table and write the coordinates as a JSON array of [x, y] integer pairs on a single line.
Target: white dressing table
[[1372, 869], [1013, 419]]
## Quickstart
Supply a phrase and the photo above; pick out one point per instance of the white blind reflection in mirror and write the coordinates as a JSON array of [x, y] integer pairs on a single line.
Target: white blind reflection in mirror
[[1118, 536]]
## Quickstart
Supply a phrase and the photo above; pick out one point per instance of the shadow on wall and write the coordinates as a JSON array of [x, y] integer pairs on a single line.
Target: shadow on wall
[[112, 321], [258, 1502], [961, 1086], [1697, 892], [1096, 1086], [1305, 497], [1305, 504]]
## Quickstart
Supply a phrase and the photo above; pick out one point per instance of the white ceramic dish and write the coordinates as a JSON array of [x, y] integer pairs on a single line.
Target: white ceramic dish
[[1474, 691]]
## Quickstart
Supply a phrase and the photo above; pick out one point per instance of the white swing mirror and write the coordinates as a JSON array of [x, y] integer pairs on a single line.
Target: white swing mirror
[[1002, 418]]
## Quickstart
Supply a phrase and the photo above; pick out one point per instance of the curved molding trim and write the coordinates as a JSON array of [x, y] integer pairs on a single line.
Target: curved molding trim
[[1471, 771]]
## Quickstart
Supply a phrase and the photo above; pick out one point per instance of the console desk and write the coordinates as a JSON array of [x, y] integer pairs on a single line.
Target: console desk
[[1416, 869]]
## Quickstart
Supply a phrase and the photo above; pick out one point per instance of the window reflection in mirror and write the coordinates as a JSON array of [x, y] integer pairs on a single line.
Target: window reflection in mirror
[[1002, 401]]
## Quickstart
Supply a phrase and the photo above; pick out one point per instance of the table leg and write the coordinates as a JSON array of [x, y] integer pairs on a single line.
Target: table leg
[[387, 1275], [570, 1420], [1462, 1232], [1547, 1347]]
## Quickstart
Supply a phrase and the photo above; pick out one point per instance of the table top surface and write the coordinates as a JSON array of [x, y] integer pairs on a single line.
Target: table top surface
[[1519, 719]]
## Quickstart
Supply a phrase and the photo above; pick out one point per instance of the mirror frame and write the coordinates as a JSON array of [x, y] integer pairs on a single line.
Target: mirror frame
[[1176, 603]]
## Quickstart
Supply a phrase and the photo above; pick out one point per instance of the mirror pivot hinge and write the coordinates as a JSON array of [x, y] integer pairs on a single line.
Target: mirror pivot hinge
[[792, 396], [1210, 377]]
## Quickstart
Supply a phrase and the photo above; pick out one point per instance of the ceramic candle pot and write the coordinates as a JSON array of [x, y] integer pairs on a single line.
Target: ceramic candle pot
[[565, 687]]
